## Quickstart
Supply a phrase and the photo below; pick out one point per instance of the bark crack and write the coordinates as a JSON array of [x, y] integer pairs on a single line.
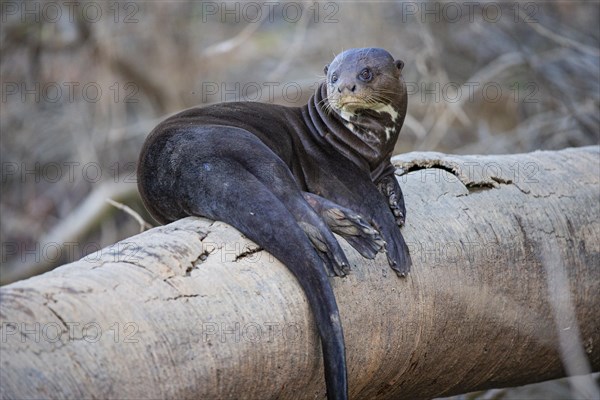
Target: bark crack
[[471, 183], [184, 296], [57, 315], [206, 251], [199, 260], [247, 253]]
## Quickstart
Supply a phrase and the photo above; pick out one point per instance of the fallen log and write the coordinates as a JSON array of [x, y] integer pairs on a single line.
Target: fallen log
[[503, 292]]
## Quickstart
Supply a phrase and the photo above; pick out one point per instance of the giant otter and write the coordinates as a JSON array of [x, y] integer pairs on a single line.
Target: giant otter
[[287, 177]]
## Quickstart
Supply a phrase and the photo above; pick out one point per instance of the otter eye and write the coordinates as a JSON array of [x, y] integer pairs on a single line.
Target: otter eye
[[334, 78], [365, 75]]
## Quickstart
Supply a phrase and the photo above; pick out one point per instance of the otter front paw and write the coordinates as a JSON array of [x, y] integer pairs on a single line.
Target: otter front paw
[[355, 229], [348, 224], [328, 249], [389, 187], [397, 251], [397, 208]]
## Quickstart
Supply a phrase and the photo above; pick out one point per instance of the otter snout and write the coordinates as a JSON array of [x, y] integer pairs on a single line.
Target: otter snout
[[346, 87]]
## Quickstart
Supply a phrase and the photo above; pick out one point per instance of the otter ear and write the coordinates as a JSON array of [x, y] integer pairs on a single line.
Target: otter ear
[[326, 69], [399, 64]]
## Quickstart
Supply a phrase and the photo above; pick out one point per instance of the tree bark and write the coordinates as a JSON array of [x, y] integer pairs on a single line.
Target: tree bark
[[503, 292]]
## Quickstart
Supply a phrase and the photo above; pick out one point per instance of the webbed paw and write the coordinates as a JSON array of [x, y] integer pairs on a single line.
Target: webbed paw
[[397, 252], [328, 249], [389, 187], [348, 224], [356, 230]]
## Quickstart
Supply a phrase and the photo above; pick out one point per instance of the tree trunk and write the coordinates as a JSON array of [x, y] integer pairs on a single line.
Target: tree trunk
[[503, 292]]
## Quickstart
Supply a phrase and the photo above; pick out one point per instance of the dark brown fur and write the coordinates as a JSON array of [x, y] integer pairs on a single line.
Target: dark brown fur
[[287, 177]]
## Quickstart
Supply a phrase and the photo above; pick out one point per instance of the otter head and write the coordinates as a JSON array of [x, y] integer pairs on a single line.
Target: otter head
[[361, 82]]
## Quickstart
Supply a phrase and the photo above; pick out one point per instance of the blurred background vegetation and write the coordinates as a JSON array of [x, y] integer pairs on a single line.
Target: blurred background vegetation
[[83, 83]]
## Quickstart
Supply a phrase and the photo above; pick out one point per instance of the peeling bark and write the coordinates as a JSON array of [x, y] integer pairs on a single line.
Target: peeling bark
[[503, 292]]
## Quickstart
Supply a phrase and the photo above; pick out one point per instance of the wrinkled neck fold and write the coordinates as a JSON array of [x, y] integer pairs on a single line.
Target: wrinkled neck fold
[[366, 140]]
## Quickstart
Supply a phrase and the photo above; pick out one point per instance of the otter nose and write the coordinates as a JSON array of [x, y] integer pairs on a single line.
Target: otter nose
[[347, 87]]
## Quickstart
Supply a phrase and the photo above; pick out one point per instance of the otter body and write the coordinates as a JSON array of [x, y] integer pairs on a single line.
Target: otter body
[[287, 177]]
